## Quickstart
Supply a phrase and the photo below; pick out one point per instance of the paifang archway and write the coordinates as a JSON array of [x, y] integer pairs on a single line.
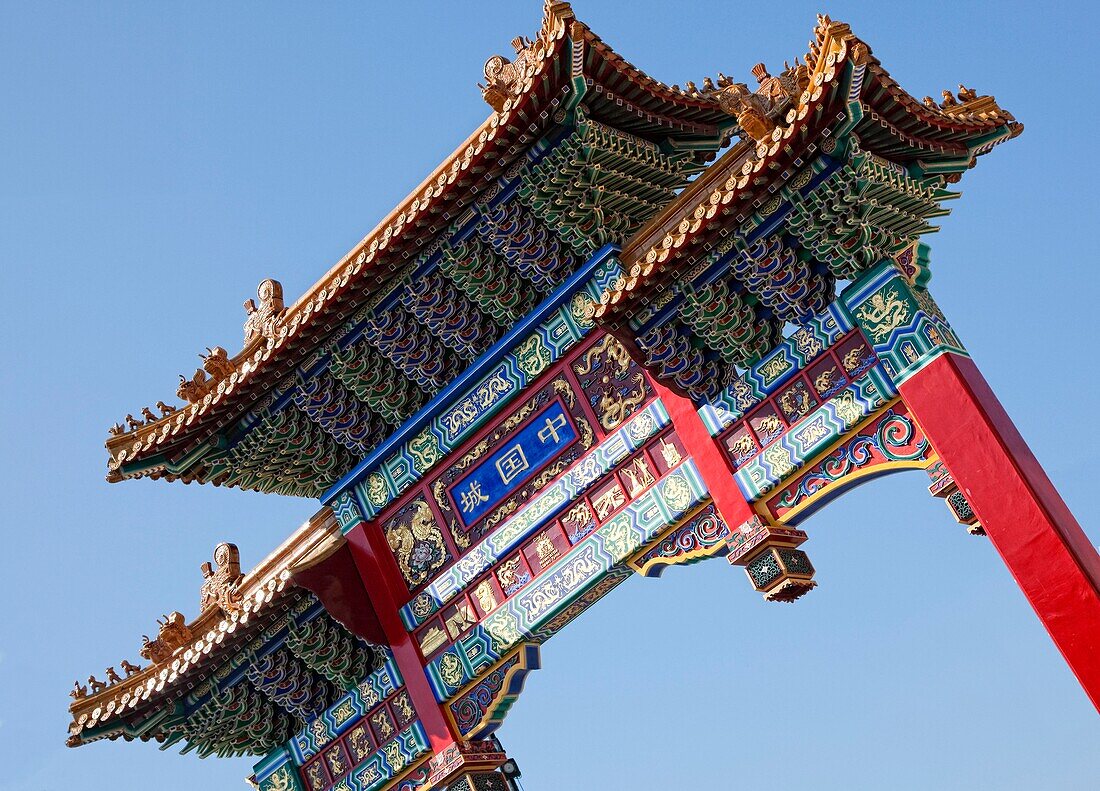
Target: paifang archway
[[584, 348]]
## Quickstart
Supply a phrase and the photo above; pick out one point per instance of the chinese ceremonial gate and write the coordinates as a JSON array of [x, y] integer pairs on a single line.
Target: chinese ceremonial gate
[[584, 348]]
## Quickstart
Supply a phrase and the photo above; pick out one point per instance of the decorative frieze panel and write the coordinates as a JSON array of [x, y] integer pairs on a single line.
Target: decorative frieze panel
[[565, 497], [587, 570], [703, 536], [613, 383], [891, 442], [788, 449], [906, 328], [526, 450]]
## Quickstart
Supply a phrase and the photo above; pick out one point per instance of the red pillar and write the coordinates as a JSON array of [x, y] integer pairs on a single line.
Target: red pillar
[[1044, 548], [387, 592], [708, 457]]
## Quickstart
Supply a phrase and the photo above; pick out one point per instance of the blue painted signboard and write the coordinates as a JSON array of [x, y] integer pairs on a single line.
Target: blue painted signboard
[[519, 457]]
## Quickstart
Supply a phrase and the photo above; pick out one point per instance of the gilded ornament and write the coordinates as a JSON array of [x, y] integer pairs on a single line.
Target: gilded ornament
[[460, 620], [774, 368], [607, 502], [450, 669], [847, 408], [417, 544], [670, 453], [812, 432], [807, 343], [779, 460], [545, 549], [677, 492], [219, 587], [884, 312], [432, 638], [638, 476], [173, 635]]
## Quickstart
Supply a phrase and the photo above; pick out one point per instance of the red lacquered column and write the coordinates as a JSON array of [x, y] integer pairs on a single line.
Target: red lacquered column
[[387, 592], [699, 444], [1042, 544]]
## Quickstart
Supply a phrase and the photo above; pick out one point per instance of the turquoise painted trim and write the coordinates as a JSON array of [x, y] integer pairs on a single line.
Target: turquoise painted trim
[[904, 325], [364, 696], [813, 434], [562, 493], [271, 762], [776, 368]]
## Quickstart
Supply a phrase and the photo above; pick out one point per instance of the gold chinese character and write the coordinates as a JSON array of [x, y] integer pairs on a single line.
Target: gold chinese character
[[472, 497], [512, 463], [551, 428]]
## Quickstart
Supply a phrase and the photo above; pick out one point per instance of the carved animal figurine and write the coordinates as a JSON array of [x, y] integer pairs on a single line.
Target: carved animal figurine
[[193, 390], [966, 94], [79, 691], [948, 100], [216, 363], [147, 413], [771, 89], [117, 429], [928, 101], [129, 668], [708, 85], [690, 89], [112, 676], [96, 685], [174, 634], [133, 422], [165, 410]]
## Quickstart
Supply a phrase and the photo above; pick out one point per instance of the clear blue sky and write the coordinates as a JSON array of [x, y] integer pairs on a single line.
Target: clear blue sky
[[157, 161]]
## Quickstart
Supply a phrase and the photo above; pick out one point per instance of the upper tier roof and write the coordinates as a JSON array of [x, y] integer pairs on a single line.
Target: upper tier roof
[[532, 96], [582, 149], [922, 135]]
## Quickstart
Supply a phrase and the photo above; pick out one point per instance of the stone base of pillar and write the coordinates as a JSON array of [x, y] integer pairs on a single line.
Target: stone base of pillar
[[773, 563]]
